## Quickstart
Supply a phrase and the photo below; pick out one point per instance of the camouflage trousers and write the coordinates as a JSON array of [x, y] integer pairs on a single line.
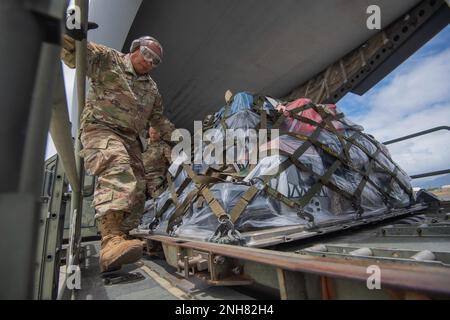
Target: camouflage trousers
[[155, 184], [117, 163]]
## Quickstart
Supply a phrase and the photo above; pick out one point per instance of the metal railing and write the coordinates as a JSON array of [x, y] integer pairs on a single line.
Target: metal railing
[[418, 134], [77, 197], [27, 98], [60, 131]]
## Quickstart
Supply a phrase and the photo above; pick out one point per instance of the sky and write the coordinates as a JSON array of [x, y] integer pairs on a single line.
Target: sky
[[412, 98]]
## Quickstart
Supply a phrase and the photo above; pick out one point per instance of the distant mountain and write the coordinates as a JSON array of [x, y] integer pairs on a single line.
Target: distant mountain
[[436, 182]]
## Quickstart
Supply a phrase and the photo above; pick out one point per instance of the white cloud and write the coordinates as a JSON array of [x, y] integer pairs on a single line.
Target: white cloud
[[415, 99]]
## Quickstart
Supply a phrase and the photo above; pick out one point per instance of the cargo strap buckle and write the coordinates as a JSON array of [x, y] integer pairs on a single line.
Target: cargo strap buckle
[[152, 226], [226, 232]]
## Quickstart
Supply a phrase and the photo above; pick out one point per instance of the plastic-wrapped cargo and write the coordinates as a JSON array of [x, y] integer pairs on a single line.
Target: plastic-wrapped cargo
[[245, 112], [326, 171]]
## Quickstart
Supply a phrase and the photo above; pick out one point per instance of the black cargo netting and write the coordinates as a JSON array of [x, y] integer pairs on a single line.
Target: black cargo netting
[[327, 171]]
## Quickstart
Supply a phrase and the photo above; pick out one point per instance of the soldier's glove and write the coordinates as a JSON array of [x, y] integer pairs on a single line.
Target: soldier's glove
[[80, 34]]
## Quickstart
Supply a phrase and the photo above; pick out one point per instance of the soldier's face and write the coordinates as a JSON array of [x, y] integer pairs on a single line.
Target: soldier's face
[[154, 135], [140, 65]]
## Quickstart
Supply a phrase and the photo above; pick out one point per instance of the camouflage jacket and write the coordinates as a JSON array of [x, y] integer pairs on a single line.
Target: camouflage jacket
[[157, 158], [118, 98]]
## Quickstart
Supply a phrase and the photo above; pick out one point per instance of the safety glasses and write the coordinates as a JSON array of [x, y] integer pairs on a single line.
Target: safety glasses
[[150, 56]]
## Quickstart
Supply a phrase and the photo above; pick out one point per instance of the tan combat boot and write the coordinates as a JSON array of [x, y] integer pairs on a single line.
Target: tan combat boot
[[116, 250]]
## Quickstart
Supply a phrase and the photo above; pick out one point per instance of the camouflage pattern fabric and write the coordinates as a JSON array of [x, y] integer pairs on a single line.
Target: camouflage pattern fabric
[[120, 107], [118, 164], [156, 161], [117, 96]]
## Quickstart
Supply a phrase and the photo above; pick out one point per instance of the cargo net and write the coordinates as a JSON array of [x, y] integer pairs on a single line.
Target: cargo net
[[327, 171]]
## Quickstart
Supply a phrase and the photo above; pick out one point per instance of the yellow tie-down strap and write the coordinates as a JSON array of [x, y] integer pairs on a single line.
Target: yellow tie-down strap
[[202, 181]]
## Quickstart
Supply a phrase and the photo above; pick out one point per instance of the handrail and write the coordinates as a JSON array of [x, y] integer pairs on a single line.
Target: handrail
[[430, 174], [77, 197], [418, 134], [61, 134]]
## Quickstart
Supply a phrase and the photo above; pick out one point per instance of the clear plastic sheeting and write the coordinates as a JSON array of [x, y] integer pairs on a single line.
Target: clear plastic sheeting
[[244, 101], [327, 172], [200, 222], [235, 121], [241, 114]]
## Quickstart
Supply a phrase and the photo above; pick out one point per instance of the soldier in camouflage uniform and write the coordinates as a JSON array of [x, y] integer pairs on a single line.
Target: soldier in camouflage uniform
[[156, 160], [122, 102]]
